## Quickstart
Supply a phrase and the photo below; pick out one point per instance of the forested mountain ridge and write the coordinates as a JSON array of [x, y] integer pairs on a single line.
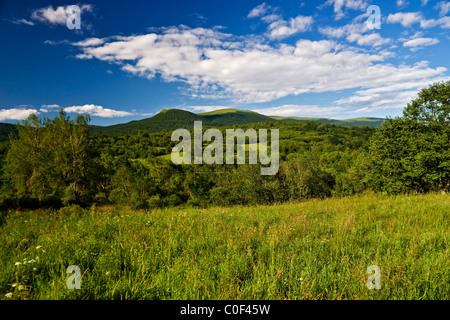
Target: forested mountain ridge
[[171, 119]]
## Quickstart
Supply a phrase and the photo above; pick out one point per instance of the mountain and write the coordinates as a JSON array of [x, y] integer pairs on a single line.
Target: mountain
[[171, 119], [167, 119], [5, 130]]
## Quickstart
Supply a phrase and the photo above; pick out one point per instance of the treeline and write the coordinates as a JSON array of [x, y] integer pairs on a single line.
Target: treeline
[[55, 162]]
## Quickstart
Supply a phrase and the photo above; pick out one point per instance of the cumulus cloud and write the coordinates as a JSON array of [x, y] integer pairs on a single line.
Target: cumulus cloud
[[355, 32], [291, 110], [402, 3], [89, 42], [443, 22], [203, 108], [97, 111], [393, 96], [16, 113], [340, 6], [443, 7], [259, 11], [214, 64], [57, 16], [278, 27], [417, 43], [48, 107], [406, 19]]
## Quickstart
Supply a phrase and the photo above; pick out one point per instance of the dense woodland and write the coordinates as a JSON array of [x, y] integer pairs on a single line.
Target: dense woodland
[[61, 161]]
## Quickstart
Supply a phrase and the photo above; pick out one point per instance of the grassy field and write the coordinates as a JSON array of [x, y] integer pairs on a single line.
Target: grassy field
[[311, 250]]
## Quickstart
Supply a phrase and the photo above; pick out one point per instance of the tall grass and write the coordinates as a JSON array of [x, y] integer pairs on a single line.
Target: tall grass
[[311, 250]]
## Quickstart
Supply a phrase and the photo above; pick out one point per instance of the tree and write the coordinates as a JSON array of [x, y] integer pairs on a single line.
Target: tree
[[432, 104], [51, 158], [412, 153]]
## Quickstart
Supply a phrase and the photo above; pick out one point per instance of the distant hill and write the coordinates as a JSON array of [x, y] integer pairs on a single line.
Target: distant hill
[[356, 122], [5, 130], [168, 119], [171, 119]]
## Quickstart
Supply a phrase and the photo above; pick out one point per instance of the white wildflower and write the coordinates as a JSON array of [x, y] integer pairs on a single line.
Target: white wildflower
[[21, 287], [18, 263], [9, 295]]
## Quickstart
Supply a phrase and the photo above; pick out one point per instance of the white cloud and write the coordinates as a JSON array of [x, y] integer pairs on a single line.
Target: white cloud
[[259, 11], [16, 113], [341, 5], [444, 7], [57, 16], [48, 107], [203, 108], [393, 96], [424, 2], [23, 21], [213, 64], [299, 110], [354, 32], [280, 29], [97, 111], [420, 42], [89, 42], [402, 3], [443, 22], [406, 19]]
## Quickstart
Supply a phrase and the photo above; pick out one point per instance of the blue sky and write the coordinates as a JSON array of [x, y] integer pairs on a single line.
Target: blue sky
[[130, 59]]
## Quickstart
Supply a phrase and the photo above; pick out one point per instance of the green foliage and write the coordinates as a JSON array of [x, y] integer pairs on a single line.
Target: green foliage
[[171, 119], [432, 105], [51, 158], [412, 153]]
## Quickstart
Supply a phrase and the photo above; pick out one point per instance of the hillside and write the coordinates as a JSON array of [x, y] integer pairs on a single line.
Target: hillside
[[356, 122], [168, 119], [5, 130], [171, 119]]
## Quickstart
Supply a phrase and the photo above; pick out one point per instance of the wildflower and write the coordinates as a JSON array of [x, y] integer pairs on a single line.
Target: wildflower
[[14, 285], [107, 273], [21, 287], [9, 295], [32, 261], [34, 269], [301, 279], [18, 263], [38, 247]]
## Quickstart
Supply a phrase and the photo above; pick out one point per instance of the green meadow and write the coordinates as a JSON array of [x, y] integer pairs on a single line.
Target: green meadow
[[317, 249]]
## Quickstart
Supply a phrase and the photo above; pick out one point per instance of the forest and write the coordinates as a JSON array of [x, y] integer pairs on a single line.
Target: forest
[[62, 161]]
